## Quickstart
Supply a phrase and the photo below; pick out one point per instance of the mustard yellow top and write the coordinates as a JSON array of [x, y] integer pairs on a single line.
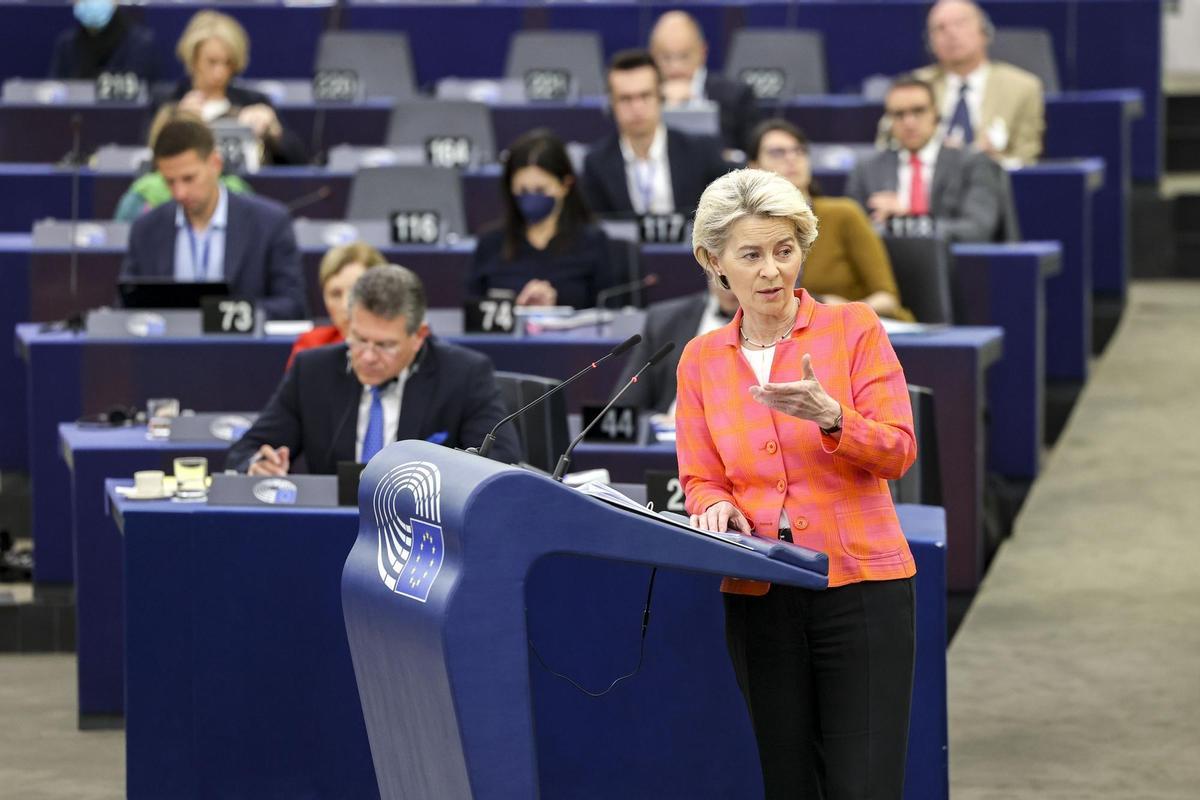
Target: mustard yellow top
[[848, 259]]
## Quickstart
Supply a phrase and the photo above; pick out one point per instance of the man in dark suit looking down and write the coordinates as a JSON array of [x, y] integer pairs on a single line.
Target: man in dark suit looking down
[[646, 168], [210, 234], [390, 380]]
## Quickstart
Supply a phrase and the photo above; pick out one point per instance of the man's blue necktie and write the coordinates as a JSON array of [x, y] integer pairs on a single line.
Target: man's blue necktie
[[962, 118], [373, 438]]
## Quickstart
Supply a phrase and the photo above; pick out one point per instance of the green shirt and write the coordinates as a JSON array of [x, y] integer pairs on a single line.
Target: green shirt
[[150, 191]]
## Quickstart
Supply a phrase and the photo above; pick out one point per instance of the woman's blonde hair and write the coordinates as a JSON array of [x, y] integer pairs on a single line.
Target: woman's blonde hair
[[342, 255], [205, 25], [748, 193]]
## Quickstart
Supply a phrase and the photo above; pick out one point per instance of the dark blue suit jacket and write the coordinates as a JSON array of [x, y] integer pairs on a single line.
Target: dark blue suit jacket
[[262, 261], [451, 397], [695, 163]]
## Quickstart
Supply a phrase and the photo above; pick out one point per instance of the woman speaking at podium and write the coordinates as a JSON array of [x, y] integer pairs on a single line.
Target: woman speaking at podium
[[790, 421]]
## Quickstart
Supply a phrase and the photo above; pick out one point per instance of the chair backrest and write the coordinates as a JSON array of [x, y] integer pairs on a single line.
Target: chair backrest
[[625, 257], [421, 122], [377, 192], [383, 61], [1030, 49], [1010, 225], [922, 267], [778, 64], [923, 481], [578, 53], [543, 429]]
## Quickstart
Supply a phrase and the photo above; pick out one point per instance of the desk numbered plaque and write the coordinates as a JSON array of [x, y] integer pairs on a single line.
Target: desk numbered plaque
[[664, 491], [118, 87], [662, 228], [226, 315], [335, 86], [415, 227], [766, 82], [913, 227], [547, 84], [489, 315], [448, 151], [620, 424]]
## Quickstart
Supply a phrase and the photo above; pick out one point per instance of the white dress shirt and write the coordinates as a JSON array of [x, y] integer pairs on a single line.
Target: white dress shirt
[[699, 79], [976, 82], [390, 397], [201, 256], [649, 179], [760, 361], [928, 155]]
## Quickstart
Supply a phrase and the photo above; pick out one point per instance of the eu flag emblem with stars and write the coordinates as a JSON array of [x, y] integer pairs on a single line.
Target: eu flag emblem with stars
[[424, 563]]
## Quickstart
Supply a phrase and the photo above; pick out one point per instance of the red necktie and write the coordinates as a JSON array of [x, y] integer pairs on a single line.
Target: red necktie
[[918, 205]]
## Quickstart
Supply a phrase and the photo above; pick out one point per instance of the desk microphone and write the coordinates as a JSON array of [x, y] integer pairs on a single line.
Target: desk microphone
[[76, 166], [306, 200], [605, 295], [486, 446], [564, 460]]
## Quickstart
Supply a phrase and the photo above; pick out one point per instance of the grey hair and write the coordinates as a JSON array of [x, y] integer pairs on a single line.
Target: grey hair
[[748, 193], [391, 291]]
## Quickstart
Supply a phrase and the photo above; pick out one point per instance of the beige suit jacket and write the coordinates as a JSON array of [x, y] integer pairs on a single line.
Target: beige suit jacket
[[1011, 94]]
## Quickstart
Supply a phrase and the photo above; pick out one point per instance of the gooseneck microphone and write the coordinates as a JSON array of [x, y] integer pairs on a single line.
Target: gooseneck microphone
[[308, 199], [564, 460], [603, 296], [76, 167], [486, 446]]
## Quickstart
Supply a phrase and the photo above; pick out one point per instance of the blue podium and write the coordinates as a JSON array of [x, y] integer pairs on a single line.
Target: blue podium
[[435, 603]]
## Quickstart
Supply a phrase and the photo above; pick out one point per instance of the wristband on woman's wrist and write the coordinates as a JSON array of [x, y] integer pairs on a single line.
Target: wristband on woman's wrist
[[835, 427]]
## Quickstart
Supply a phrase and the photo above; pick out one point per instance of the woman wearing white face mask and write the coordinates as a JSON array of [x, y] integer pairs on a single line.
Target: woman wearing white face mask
[[547, 251], [104, 40]]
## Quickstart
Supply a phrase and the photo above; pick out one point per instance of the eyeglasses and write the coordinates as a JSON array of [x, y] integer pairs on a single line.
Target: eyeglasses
[[915, 111], [785, 152], [385, 349]]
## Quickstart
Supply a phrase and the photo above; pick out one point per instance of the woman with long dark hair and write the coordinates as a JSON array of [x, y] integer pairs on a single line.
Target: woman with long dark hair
[[546, 251]]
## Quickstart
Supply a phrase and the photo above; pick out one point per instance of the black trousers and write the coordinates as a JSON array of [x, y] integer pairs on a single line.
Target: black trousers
[[828, 680]]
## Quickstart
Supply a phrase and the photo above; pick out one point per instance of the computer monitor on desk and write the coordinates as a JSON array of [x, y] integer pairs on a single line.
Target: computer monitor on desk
[[168, 293]]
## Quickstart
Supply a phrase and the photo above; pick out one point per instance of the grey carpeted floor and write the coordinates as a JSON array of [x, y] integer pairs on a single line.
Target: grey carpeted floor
[[1076, 673], [42, 754]]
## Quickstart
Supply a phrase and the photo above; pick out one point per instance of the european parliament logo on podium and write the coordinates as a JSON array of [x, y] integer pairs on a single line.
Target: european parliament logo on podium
[[408, 514]]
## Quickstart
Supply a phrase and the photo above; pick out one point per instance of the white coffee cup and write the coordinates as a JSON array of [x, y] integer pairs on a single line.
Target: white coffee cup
[[148, 483]]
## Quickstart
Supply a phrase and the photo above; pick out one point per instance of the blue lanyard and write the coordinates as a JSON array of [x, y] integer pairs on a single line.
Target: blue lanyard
[[200, 264], [645, 188]]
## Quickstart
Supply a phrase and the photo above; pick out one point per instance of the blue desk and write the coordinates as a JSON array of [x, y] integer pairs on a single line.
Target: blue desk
[[1097, 45], [69, 375], [1007, 286], [93, 455], [239, 678], [39, 283]]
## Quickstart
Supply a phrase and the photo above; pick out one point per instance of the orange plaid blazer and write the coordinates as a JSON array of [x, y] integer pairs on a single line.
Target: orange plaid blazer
[[834, 488]]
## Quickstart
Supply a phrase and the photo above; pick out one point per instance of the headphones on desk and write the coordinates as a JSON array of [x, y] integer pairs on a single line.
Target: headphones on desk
[[115, 417]]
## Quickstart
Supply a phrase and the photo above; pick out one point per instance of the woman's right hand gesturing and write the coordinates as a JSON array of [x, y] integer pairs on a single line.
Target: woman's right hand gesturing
[[720, 517]]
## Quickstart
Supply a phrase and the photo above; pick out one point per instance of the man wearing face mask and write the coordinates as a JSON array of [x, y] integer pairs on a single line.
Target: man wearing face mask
[[546, 251], [104, 40]]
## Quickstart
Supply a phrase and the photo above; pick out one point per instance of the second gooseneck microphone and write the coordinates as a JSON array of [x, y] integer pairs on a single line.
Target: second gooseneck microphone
[[564, 460], [486, 446]]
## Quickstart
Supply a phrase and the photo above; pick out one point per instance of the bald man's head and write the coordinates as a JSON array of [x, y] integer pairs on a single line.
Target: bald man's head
[[677, 44]]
